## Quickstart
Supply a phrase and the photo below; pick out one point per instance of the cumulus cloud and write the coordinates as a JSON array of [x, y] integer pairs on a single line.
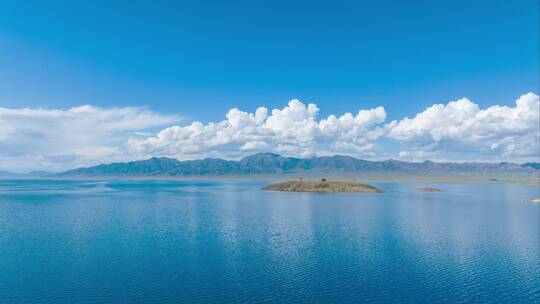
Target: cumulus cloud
[[462, 129], [33, 139], [293, 130], [60, 139]]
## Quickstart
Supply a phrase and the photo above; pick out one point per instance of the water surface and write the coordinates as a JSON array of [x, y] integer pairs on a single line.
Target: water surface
[[131, 241]]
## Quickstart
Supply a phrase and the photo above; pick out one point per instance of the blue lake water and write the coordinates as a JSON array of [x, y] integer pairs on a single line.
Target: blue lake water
[[227, 241]]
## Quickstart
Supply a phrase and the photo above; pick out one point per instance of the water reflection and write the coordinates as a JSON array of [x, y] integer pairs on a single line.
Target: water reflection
[[229, 241]]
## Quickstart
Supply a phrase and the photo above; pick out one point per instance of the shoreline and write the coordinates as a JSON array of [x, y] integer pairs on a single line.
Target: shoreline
[[528, 181]]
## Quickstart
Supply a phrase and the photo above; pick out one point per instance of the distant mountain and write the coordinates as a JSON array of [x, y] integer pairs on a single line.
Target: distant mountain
[[33, 174], [531, 165], [269, 163], [6, 174]]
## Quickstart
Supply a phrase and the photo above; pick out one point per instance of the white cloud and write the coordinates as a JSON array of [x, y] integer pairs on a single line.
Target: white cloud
[[461, 129], [294, 130], [60, 139], [41, 139]]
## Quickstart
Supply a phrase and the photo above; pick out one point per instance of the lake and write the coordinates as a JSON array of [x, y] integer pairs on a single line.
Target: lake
[[211, 241]]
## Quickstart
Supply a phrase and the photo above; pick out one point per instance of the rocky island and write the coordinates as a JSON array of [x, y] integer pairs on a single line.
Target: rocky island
[[322, 186], [429, 189]]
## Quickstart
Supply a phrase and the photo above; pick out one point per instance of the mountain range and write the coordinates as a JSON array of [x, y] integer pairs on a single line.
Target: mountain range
[[33, 174], [270, 164]]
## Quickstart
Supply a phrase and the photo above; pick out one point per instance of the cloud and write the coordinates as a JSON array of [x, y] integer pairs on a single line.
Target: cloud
[[42, 139], [462, 130], [294, 130], [60, 139]]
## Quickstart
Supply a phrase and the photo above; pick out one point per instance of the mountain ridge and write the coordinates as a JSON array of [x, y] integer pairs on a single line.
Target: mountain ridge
[[271, 163]]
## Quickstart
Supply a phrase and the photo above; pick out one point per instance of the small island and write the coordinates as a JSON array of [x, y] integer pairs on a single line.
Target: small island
[[322, 186], [429, 189], [535, 200]]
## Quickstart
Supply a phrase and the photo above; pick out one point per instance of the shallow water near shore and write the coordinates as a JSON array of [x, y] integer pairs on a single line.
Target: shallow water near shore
[[167, 241]]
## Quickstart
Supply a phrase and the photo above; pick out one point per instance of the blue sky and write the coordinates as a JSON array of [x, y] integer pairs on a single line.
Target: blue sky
[[196, 60]]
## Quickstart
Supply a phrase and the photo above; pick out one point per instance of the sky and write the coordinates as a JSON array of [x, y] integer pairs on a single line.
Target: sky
[[88, 82]]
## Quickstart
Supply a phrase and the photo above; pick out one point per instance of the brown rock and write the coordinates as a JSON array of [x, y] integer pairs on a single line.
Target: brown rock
[[322, 186]]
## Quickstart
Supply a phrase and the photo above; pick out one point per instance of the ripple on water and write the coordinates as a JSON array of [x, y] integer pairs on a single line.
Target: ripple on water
[[215, 242]]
